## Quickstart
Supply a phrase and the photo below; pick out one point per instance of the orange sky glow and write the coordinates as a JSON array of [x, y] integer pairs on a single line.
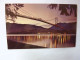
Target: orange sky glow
[[42, 11]]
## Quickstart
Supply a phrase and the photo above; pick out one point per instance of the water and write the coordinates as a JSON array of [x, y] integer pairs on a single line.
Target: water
[[45, 40]]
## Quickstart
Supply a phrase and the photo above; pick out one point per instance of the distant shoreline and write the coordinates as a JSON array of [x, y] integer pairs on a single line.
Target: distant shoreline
[[36, 34]]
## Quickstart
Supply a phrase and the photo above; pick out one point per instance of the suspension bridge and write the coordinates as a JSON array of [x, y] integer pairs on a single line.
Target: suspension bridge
[[37, 19]]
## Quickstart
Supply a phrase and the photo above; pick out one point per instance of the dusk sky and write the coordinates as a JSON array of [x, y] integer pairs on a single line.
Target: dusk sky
[[42, 11]]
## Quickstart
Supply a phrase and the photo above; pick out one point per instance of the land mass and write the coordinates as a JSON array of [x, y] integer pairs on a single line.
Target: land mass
[[13, 28]]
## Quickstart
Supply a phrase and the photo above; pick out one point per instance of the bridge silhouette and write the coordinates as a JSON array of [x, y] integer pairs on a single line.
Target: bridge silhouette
[[41, 20], [37, 19]]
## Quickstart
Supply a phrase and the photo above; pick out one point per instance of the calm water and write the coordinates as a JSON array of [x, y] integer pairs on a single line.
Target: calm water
[[45, 40]]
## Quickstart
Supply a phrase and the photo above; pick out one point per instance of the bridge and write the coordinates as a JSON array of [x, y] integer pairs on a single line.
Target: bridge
[[37, 19]]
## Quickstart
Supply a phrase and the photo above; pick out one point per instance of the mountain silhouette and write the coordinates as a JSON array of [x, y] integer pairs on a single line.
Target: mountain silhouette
[[13, 28]]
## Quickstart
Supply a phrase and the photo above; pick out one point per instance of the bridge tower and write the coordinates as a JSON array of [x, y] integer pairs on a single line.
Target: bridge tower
[[56, 20]]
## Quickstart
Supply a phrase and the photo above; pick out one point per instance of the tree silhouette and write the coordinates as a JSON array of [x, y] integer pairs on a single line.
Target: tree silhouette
[[64, 9], [12, 13]]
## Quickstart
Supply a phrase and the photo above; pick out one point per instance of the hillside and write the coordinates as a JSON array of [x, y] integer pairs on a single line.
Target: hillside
[[13, 28]]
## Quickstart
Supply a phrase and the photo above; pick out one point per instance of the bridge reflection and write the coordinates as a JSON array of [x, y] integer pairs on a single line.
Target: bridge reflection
[[50, 41]]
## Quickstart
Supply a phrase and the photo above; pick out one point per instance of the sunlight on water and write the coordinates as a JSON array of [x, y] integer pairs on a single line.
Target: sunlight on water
[[50, 41]]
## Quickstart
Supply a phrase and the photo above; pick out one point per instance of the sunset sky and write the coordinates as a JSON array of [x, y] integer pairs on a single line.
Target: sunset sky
[[42, 11]]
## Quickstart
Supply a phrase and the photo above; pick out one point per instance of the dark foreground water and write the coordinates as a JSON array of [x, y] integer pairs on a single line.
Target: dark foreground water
[[45, 40]]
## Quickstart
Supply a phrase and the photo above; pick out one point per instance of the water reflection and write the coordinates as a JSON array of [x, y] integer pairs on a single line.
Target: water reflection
[[50, 41]]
